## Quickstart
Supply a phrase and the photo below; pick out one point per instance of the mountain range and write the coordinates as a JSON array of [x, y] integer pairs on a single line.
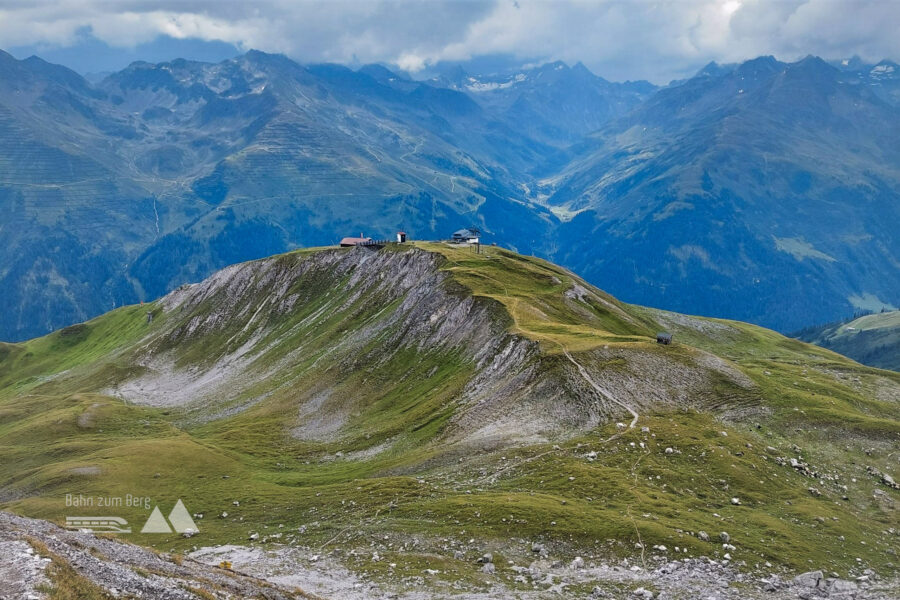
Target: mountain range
[[763, 191]]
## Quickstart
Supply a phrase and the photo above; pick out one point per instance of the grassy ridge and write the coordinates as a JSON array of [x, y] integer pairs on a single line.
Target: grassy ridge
[[59, 436], [533, 292]]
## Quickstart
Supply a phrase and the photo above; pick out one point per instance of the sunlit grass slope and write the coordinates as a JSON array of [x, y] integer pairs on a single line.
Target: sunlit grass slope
[[393, 470]]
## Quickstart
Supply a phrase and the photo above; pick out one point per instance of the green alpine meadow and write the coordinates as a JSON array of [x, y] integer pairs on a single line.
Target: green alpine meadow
[[408, 410]]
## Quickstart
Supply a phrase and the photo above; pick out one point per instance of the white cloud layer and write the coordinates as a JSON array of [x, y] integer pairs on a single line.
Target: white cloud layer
[[618, 39]]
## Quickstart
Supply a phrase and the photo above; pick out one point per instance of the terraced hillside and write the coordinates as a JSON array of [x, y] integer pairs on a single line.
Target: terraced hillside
[[402, 412]]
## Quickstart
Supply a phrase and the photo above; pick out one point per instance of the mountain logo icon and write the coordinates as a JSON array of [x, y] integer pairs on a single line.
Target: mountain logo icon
[[180, 519]]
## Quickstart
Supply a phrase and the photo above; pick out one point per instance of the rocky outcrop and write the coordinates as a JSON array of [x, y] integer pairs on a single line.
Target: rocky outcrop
[[32, 551]]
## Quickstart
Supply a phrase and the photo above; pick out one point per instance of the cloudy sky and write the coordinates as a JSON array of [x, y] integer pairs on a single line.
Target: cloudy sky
[[657, 40]]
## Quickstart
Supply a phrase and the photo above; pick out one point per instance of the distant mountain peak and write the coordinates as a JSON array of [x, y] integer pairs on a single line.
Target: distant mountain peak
[[579, 66], [580, 70], [556, 65], [714, 69], [814, 68], [265, 58], [379, 72], [810, 61], [764, 66], [854, 63], [764, 61], [254, 54]]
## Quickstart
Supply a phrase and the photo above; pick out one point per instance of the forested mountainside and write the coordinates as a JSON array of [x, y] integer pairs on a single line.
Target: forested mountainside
[[763, 191]]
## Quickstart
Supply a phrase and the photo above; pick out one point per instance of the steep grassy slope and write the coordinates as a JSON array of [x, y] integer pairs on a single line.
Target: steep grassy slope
[[871, 339], [408, 400]]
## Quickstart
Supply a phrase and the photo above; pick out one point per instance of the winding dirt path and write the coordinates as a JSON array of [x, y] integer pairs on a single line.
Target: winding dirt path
[[601, 390]]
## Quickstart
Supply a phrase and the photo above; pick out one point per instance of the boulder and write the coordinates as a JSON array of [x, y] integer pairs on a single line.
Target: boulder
[[809, 579], [840, 588]]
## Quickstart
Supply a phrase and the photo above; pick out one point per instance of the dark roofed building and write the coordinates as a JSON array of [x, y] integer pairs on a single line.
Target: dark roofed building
[[465, 236], [664, 338]]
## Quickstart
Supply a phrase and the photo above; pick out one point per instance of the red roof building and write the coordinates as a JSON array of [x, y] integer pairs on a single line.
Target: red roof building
[[347, 242]]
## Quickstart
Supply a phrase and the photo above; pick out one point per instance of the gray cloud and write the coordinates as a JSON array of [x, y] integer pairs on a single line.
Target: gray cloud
[[618, 39]]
